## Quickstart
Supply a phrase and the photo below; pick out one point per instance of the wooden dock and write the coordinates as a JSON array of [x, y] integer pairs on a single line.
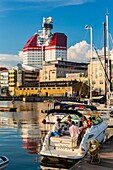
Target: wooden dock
[[8, 109], [106, 159]]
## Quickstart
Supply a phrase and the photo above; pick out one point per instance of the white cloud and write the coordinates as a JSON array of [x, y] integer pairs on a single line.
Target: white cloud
[[79, 52], [9, 60]]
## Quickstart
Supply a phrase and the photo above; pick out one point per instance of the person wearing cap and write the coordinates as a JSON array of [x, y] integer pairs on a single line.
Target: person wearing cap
[[57, 128]]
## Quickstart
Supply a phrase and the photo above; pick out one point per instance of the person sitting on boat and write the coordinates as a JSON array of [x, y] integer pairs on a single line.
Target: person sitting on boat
[[74, 130], [69, 121], [84, 126], [90, 122], [85, 122], [57, 131]]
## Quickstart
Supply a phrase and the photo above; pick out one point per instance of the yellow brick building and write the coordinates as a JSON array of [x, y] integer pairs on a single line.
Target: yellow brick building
[[54, 88]]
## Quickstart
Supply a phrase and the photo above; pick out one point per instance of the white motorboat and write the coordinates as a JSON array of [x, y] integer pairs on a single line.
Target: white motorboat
[[4, 161], [66, 149]]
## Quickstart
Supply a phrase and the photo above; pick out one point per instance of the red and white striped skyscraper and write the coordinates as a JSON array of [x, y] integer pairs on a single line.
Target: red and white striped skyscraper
[[46, 46]]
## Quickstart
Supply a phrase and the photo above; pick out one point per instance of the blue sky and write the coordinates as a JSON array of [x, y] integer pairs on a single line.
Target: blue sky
[[20, 19]]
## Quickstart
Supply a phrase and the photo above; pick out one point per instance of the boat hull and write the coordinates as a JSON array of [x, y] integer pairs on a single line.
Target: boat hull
[[4, 162], [58, 162]]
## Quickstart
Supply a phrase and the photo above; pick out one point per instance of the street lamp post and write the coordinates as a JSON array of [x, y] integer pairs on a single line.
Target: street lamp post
[[91, 57]]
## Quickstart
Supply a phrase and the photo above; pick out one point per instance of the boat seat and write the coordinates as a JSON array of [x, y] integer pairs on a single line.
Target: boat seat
[[63, 142]]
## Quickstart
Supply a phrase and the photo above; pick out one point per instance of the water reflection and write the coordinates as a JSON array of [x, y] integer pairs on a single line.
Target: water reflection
[[24, 127]]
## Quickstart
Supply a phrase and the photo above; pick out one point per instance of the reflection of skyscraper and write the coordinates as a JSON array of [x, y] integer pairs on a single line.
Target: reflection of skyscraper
[[46, 46], [31, 138]]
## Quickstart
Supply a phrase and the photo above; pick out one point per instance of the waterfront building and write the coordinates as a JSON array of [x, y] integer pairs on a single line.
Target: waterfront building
[[1, 70], [26, 74], [54, 80], [59, 69], [60, 87], [45, 46], [30, 74], [12, 81], [22, 74], [4, 76], [98, 74]]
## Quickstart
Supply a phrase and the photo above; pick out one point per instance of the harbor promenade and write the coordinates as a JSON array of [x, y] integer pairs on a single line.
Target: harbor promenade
[[106, 159]]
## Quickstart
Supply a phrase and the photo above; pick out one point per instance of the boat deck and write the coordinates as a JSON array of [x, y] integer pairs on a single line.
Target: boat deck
[[106, 159]]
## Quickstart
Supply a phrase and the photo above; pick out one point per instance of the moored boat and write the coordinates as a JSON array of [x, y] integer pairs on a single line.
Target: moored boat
[[66, 149], [4, 161]]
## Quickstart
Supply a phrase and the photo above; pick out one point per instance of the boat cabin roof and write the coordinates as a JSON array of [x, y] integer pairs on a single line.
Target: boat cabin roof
[[74, 106], [65, 112]]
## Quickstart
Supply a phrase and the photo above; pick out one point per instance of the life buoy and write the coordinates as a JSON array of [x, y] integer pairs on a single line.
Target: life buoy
[[93, 146]]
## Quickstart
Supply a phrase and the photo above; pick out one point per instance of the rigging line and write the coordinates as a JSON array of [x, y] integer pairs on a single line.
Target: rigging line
[[102, 65], [99, 39], [86, 32], [110, 37]]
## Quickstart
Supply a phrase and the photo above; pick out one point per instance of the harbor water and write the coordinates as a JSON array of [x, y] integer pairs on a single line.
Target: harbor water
[[20, 134]]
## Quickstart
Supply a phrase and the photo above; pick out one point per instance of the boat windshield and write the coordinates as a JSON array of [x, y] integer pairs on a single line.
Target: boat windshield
[[73, 117], [97, 120]]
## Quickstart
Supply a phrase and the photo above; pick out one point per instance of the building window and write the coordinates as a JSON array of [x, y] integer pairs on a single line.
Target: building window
[[93, 82], [101, 82]]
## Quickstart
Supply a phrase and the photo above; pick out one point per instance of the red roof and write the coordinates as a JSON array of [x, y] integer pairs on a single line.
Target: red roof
[[3, 68], [59, 39], [32, 42]]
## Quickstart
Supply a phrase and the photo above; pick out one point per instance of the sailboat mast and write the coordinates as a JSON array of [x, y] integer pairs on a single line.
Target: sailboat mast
[[108, 59], [105, 63], [91, 64]]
